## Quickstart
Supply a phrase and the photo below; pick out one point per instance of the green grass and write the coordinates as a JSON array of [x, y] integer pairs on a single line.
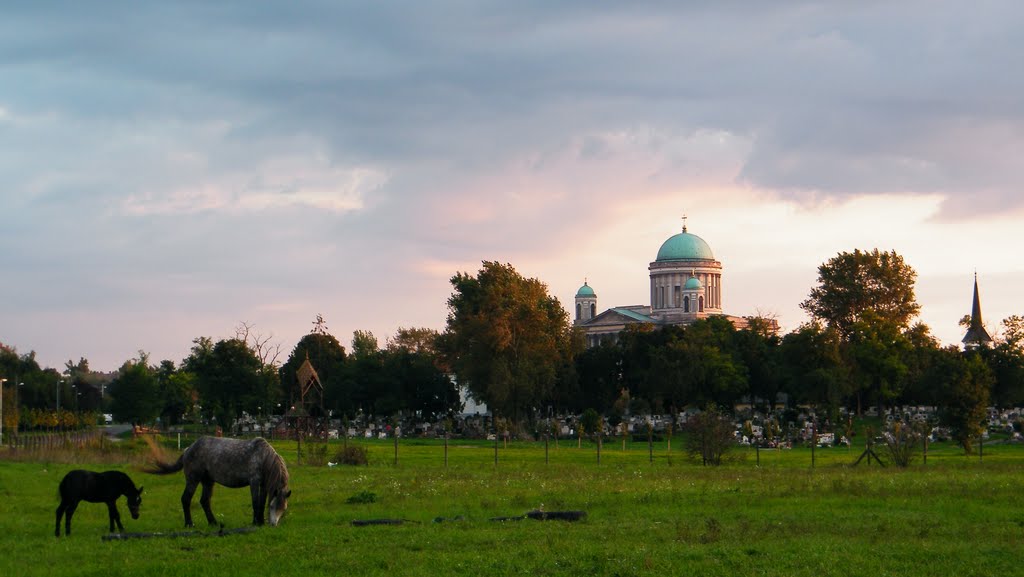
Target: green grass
[[955, 516]]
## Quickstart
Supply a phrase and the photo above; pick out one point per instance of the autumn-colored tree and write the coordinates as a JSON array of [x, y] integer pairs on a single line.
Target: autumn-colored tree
[[506, 338]]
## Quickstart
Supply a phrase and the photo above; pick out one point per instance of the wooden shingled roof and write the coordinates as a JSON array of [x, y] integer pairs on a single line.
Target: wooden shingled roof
[[308, 379]]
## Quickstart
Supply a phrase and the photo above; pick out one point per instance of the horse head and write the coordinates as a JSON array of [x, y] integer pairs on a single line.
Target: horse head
[[279, 504], [134, 498]]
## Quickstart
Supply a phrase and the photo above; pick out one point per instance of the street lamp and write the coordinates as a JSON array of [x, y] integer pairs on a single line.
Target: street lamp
[[2, 381]]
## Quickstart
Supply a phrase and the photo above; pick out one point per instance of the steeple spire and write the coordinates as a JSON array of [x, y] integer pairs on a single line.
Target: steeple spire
[[976, 334], [684, 223]]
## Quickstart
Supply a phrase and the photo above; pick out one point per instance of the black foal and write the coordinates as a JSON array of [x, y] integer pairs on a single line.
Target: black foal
[[104, 487]]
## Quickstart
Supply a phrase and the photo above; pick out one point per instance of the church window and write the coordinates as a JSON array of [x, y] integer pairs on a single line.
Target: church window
[[593, 310], [578, 309], [676, 299], [700, 302], [686, 304]]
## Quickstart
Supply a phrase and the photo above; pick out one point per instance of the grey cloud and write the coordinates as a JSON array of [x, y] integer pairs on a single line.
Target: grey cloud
[[837, 99], [106, 102]]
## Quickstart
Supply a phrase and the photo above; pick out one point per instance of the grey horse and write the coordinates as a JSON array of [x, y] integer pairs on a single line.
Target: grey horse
[[233, 463]]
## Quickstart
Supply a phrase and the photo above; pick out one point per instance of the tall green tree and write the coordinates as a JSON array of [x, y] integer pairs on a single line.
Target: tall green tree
[[1012, 334], [969, 381], [506, 338], [923, 382], [135, 392], [813, 369], [599, 379], [757, 347], [1006, 361], [853, 283], [413, 359], [230, 379], [372, 389], [178, 397], [716, 374], [416, 384], [638, 344], [867, 299], [39, 390], [878, 352], [415, 339], [364, 344]]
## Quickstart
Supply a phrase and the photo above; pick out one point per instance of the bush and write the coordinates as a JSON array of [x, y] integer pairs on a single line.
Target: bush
[[351, 455], [709, 436], [902, 441]]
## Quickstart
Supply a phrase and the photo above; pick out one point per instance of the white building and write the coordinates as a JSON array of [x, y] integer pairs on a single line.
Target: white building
[[686, 285]]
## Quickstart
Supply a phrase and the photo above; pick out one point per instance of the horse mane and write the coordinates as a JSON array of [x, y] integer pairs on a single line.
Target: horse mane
[[275, 473]]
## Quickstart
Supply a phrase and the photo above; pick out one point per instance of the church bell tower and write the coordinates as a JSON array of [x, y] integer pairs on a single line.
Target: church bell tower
[[586, 304]]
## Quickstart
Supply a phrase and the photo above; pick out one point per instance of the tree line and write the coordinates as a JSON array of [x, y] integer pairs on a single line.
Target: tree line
[[512, 346], [219, 382]]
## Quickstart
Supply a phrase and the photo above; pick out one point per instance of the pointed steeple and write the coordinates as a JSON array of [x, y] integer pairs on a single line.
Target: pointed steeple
[[976, 334]]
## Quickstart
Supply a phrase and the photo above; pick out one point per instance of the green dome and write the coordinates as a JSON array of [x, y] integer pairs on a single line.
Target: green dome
[[693, 283], [585, 291], [685, 246]]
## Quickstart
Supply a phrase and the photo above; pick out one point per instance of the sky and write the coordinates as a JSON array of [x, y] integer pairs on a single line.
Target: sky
[[171, 170]]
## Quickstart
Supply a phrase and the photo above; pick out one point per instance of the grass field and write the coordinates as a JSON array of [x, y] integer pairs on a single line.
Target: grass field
[[953, 516]]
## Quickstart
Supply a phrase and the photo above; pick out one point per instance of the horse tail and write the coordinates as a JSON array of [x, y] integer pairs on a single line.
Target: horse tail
[[166, 468]]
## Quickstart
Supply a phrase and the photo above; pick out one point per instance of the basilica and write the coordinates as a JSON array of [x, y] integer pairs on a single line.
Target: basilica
[[686, 285]]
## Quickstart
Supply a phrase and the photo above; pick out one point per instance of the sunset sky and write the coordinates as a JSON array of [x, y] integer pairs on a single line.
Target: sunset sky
[[171, 169]]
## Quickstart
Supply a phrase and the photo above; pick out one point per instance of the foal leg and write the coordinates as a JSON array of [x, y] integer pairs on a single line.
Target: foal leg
[[60, 513], [115, 516], [186, 501], [67, 516], [204, 500]]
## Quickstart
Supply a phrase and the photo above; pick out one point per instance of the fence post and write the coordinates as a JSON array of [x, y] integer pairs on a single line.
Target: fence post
[[547, 434], [925, 448], [650, 443], [814, 439]]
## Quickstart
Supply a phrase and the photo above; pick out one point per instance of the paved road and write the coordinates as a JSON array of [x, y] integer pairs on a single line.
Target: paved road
[[114, 430]]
